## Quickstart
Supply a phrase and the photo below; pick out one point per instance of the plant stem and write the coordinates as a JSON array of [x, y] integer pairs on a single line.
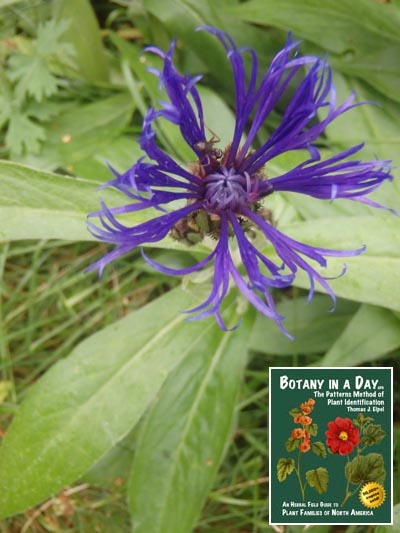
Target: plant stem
[[299, 478], [348, 493]]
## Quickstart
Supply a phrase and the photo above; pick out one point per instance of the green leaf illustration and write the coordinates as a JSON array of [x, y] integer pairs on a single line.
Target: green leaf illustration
[[373, 433], [292, 444], [319, 449], [366, 468], [318, 479], [284, 468], [362, 420], [313, 429], [294, 412]]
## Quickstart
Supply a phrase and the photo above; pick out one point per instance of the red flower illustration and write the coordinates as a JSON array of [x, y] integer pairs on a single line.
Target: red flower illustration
[[305, 446], [342, 436], [297, 433], [305, 420], [305, 408]]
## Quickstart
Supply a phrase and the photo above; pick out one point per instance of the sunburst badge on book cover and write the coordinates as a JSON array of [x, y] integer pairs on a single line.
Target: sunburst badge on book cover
[[330, 441]]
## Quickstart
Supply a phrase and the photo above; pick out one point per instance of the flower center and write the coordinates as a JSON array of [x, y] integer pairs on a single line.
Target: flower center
[[227, 190], [343, 435]]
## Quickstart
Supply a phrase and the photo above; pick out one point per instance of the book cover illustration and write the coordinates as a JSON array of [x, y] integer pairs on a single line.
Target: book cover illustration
[[330, 440]]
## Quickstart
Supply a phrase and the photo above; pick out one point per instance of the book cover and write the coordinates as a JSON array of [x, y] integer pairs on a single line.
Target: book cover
[[330, 441]]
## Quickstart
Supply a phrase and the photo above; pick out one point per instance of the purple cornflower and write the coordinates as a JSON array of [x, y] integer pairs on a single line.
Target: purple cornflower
[[223, 189]]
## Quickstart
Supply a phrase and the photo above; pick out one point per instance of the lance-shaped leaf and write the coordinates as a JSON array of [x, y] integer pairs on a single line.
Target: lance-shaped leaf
[[41, 205], [314, 328], [345, 28], [370, 334], [87, 402], [370, 277], [84, 33], [185, 434]]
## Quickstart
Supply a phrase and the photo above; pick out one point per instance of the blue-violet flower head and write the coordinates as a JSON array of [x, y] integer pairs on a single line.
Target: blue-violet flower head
[[223, 189]]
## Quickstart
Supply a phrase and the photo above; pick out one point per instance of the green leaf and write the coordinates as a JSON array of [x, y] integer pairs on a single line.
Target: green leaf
[[32, 72], [362, 420], [32, 76], [313, 429], [372, 333], [365, 468], [5, 388], [314, 328], [43, 111], [338, 26], [23, 134], [378, 125], [181, 17], [372, 434], [318, 479], [219, 118], [84, 34], [115, 464], [40, 205], [7, 3], [185, 434], [89, 401], [200, 52], [319, 449], [6, 108], [364, 65], [85, 131], [120, 153], [49, 35], [292, 444], [284, 468], [345, 28], [370, 277]]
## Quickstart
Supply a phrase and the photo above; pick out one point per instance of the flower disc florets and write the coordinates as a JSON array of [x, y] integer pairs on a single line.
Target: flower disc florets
[[220, 194], [227, 190], [224, 192]]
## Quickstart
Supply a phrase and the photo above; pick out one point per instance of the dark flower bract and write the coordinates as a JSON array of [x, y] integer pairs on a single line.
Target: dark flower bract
[[221, 193], [342, 436]]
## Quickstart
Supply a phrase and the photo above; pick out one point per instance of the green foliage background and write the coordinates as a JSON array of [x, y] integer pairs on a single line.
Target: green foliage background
[[109, 391]]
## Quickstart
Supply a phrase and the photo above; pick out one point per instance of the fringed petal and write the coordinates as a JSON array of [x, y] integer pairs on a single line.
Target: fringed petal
[[180, 110]]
